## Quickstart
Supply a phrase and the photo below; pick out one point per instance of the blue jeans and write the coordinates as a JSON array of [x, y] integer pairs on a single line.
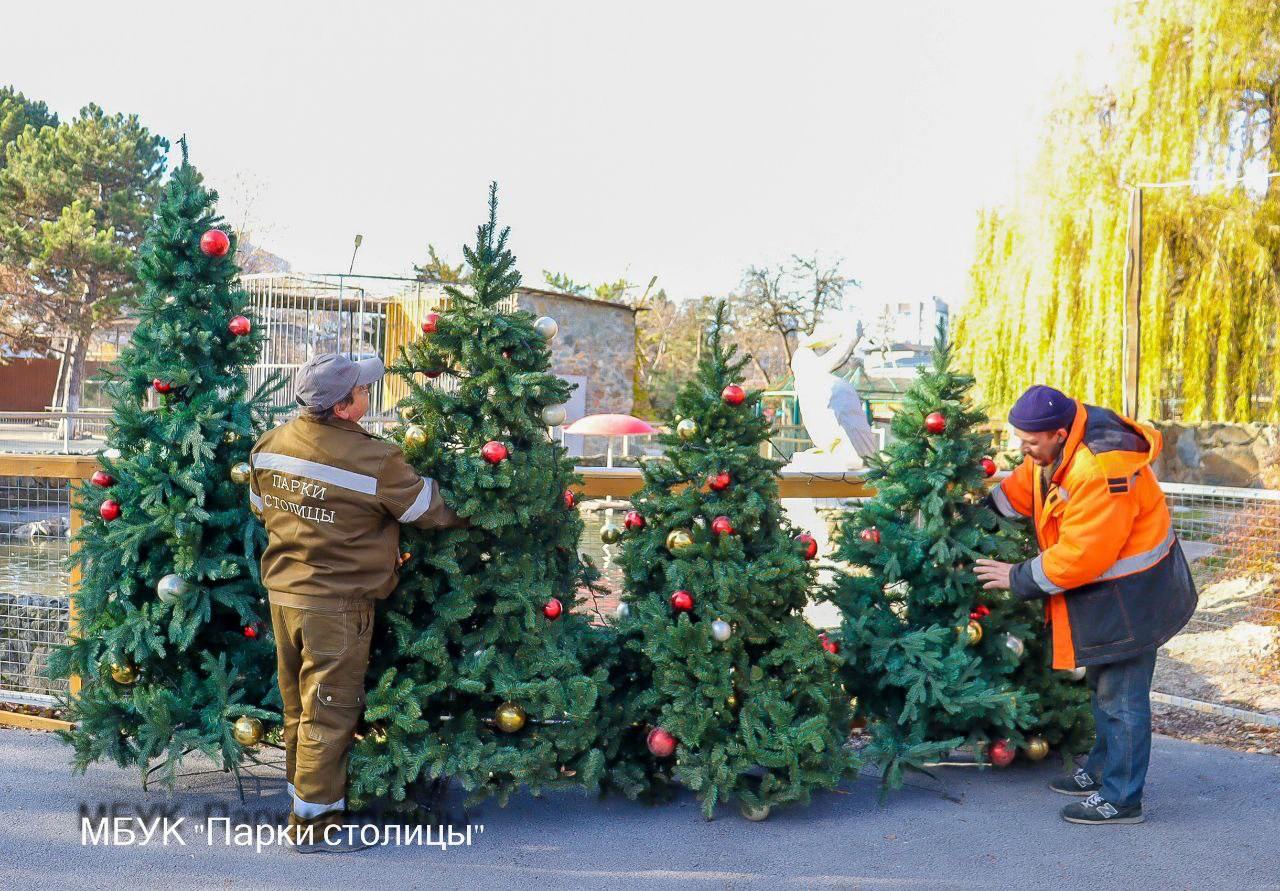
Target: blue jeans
[[1122, 713]]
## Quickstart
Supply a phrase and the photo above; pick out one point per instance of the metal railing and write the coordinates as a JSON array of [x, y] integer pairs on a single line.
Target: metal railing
[[1227, 660]]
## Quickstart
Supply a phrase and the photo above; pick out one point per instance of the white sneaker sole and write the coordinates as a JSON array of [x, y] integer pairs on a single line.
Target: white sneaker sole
[[1112, 821]]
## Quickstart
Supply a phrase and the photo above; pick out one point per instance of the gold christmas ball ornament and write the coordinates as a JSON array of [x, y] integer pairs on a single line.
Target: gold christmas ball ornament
[[687, 429], [124, 674], [1077, 674], [171, 587], [756, 813], [414, 436], [1037, 748], [510, 717], [610, 533], [974, 632], [679, 540], [554, 415], [247, 731], [546, 326], [230, 437], [240, 472]]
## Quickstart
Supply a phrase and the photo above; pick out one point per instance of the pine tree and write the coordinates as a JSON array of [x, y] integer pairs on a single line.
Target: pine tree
[[172, 644], [726, 686], [935, 661], [481, 669]]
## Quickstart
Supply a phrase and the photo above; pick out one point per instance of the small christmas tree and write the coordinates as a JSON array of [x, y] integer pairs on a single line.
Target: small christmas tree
[[481, 669], [172, 644], [935, 661], [726, 686]]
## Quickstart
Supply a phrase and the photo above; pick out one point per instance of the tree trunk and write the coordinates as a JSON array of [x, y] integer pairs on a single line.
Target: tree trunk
[[75, 379]]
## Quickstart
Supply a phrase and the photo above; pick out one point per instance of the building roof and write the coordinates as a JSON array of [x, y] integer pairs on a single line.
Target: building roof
[[581, 298]]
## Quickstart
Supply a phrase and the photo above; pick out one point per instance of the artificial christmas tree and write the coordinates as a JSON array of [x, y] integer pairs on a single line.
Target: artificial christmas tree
[[481, 671], [725, 685], [935, 661], [170, 570]]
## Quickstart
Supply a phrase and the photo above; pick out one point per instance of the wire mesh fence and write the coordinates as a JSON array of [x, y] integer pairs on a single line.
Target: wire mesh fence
[[1227, 658], [35, 590], [1229, 654]]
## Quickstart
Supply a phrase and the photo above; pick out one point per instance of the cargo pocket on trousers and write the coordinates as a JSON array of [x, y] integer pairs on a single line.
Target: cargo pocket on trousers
[[325, 633], [336, 711]]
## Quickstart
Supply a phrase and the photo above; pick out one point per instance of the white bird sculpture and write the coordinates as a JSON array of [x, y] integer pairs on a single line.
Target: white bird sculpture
[[830, 406]]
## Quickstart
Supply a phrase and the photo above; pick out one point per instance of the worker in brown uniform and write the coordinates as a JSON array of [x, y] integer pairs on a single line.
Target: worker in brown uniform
[[332, 496]]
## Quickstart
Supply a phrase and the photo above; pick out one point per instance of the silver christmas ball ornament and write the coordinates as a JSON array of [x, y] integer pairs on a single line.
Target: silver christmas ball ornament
[[1014, 645], [721, 630], [172, 587], [554, 415], [546, 326]]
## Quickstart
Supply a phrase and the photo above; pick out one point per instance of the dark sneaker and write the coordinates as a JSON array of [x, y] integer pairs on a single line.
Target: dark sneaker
[[1079, 783], [1096, 810], [344, 839]]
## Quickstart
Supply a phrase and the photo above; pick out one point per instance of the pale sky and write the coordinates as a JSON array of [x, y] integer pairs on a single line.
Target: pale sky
[[686, 140]]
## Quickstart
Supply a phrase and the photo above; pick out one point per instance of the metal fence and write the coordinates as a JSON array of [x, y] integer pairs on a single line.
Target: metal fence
[[35, 588], [309, 314], [1228, 658]]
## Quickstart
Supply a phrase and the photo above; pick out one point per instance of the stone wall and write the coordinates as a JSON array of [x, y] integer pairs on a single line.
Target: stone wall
[[597, 340], [1246, 455]]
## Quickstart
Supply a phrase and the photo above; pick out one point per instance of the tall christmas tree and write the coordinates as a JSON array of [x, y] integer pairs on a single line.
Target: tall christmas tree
[[481, 670], [172, 644], [726, 686], [935, 661]]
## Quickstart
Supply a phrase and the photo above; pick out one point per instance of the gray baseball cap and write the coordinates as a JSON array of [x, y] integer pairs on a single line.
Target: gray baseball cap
[[326, 380]]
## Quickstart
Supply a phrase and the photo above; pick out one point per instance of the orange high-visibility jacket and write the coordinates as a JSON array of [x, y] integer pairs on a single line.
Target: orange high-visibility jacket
[[1110, 565]]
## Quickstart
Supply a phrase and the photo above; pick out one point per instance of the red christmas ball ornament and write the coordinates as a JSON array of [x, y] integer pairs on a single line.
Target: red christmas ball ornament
[[809, 543], [1001, 753], [494, 451], [109, 510], [239, 326], [936, 422], [570, 500], [161, 386], [981, 611], [831, 646], [433, 374], [215, 243], [251, 631], [988, 467], [102, 478], [733, 394], [634, 520], [722, 526], [871, 535], [429, 324], [720, 481], [553, 608], [682, 601], [661, 743]]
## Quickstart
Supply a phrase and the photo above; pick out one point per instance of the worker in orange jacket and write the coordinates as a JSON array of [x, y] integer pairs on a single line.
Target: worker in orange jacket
[[1112, 571]]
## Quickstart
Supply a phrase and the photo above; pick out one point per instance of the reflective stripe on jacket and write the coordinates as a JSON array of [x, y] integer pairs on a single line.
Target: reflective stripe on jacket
[[1110, 564], [333, 497]]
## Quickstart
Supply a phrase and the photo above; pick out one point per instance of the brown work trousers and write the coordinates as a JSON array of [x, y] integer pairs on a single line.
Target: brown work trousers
[[322, 653]]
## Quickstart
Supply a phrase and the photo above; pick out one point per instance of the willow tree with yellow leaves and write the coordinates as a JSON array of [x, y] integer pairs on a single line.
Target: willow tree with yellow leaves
[[1196, 98]]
